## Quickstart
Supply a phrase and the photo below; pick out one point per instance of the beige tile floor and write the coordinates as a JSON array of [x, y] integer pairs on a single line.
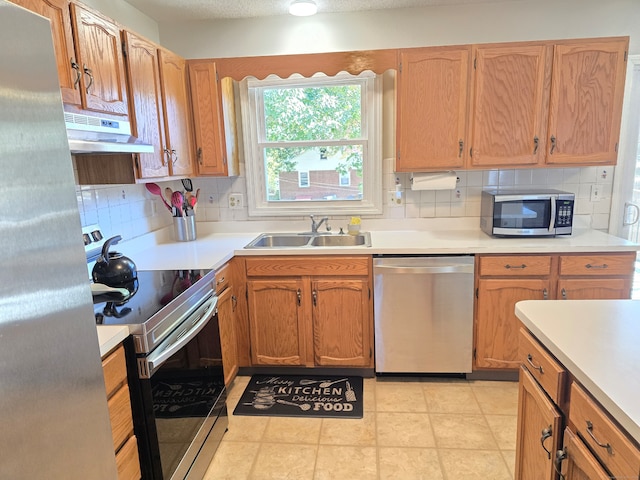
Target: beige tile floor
[[428, 429]]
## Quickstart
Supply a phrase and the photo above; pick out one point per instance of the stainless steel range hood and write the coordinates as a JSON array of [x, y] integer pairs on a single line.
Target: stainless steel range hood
[[87, 134]]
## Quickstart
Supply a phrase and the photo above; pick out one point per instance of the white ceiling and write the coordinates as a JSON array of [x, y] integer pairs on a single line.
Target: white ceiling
[[178, 10]]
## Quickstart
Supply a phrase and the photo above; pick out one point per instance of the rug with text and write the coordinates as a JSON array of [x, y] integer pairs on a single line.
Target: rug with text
[[302, 396]]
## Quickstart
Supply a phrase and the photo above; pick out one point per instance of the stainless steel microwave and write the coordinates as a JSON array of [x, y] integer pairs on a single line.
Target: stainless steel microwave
[[521, 213]]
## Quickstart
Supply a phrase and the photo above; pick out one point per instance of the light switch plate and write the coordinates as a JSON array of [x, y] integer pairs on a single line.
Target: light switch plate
[[595, 193]]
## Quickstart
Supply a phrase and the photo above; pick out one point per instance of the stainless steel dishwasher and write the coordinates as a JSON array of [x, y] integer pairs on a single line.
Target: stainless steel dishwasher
[[423, 308]]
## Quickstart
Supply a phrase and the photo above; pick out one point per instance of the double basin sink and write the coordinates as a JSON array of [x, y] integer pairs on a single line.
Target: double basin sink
[[303, 240]]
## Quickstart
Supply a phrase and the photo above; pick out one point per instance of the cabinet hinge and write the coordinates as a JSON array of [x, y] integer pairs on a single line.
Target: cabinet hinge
[[475, 63], [124, 50], [369, 293], [246, 293], [474, 353], [471, 152], [217, 77], [476, 292], [625, 55], [136, 161], [616, 148], [370, 352]]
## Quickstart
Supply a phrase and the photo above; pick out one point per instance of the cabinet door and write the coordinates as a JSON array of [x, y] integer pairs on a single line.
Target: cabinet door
[[145, 97], [276, 321], [176, 112], [57, 11], [208, 119], [586, 102], [100, 58], [594, 288], [227, 335], [341, 322], [539, 431], [579, 462], [433, 91], [509, 105], [497, 327]]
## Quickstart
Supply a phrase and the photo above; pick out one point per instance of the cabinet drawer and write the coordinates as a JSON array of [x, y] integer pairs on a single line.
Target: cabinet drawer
[[307, 265], [515, 265], [549, 373], [127, 461], [114, 368], [615, 451], [120, 416], [223, 278], [597, 264]]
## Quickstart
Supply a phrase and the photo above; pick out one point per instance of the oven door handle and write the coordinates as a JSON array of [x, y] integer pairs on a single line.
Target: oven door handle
[[155, 360]]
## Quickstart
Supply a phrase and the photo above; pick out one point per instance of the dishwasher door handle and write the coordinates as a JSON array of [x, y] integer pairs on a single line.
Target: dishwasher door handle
[[454, 268]]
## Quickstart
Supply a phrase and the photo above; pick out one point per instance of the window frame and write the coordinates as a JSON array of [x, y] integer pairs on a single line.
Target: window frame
[[371, 202]]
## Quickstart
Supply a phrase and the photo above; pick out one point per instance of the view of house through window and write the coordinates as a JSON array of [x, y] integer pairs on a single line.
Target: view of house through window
[[311, 140]]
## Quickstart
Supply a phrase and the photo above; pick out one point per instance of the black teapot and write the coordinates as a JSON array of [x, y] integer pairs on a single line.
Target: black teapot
[[115, 270]]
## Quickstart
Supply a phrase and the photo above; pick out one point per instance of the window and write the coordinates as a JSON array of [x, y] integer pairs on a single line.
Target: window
[[313, 145]]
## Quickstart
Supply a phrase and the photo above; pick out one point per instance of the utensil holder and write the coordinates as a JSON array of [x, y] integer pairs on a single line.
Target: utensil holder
[[184, 228]]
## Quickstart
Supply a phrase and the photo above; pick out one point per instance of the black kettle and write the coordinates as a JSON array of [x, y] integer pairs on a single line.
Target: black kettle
[[115, 270]]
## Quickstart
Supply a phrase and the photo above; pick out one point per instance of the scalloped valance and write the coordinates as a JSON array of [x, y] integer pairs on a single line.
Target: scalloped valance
[[354, 62]]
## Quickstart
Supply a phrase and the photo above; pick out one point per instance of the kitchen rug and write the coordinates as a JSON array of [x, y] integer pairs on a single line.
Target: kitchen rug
[[302, 396]]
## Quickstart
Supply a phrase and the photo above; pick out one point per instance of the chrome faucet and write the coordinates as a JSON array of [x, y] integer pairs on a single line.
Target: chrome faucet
[[315, 225]]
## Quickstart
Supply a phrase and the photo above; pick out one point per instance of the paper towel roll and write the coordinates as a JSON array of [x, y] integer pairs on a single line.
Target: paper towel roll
[[434, 181]]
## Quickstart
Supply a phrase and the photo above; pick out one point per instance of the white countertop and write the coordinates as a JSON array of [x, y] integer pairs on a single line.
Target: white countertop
[[109, 336], [598, 342], [216, 243]]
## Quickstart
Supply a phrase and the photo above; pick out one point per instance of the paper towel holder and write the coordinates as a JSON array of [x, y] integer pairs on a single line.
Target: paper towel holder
[[443, 180]]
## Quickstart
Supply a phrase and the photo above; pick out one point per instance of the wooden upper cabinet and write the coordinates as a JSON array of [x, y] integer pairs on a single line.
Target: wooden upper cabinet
[[57, 11], [587, 90], [214, 120], [433, 91], [509, 105], [145, 98], [173, 75], [97, 41]]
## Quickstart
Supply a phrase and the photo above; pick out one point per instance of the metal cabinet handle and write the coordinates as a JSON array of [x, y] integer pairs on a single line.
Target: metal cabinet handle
[[234, 302], [601, 267], [167, 154], [221, 281], [557, 464], [199, 155], [460, 148], [76, 67], [314, 295], [174, 155], [299, 295], [520, 267], [545, 294], [536, 144], [564, 294], [89, 73], [546, 433], [600, 444], [535, 367], [553, 144]]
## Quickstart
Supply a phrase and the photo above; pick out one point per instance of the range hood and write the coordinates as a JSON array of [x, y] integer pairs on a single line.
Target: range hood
[[87, 134]]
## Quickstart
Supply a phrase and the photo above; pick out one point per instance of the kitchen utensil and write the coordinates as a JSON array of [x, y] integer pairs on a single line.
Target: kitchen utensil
[[168, 193], [187, 184], [303, 406], [115, 270], [177, 200], [154, 189], [327, 383], [350, 394]]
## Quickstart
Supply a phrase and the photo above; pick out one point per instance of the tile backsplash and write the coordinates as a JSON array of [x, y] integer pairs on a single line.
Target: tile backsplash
[[131, 211]]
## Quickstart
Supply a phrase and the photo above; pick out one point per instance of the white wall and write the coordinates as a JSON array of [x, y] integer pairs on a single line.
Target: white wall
[[442, 25]]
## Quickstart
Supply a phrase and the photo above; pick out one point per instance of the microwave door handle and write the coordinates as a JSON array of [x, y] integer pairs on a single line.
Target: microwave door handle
[[552, 223], [155, 361]]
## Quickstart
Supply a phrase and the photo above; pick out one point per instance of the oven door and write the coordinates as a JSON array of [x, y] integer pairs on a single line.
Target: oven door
[[521, 215], [183, 398]]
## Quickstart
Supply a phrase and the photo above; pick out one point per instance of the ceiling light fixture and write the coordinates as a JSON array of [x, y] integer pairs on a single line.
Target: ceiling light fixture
[[303, 8]]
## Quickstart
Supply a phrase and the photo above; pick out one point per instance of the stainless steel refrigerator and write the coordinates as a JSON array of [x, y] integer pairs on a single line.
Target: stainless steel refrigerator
[[54, 422]]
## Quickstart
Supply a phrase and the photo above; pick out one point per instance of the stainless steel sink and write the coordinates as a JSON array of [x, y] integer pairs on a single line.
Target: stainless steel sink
[[292, 240]]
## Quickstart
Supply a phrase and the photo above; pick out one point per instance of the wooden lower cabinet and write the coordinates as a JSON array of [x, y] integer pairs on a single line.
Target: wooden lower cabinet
[[579, 463], [539, 431], [504, 280], [320, 317], [124, 441], [228, 320]]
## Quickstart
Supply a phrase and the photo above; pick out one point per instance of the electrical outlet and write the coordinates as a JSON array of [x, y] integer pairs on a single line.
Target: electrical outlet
[[395, 198], [236, 201], [595, 193]]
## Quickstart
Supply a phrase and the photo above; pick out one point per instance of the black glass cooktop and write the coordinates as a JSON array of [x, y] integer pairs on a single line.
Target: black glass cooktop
[[156, 289]]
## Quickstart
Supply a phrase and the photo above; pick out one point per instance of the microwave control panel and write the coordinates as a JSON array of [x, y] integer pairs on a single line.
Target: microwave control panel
[[564, 213]]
